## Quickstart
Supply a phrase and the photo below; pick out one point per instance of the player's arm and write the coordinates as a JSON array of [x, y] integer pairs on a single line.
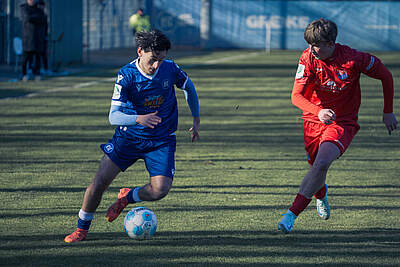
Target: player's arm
[[325, 115], [193, 102], [299, 100], [304, 78], [191, 97], [118, 117], [183, 81], [374, 68], [120, 114]]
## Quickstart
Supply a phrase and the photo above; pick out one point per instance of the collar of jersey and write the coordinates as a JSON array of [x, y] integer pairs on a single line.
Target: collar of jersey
[[151, 77]]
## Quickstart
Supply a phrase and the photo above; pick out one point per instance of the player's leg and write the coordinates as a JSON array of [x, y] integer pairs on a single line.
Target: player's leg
[[312, 182], [157, 189], [27, 58], [313, 134], [160, 163], [36, 67], [315, 179], [105, 175]]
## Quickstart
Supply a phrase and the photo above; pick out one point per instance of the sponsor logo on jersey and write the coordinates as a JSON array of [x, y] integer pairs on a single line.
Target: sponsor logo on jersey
[[341, 74], [108, 148], [331, 86], [154, 101], [300, 71]]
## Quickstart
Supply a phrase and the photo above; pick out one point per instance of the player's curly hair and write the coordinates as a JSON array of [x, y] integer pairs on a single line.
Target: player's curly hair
[[153, 40], [320, 30]]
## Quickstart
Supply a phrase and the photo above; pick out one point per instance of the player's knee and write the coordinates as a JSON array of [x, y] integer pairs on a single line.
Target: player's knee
[[160, 192], [321, 165], [100, 184]]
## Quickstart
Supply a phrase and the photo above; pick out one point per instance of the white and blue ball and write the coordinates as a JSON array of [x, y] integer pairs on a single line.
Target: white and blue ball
[[140, 223]]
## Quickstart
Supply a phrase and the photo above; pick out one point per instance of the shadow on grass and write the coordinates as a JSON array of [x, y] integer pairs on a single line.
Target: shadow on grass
[[206, 188], [213, 248], [46, 213]]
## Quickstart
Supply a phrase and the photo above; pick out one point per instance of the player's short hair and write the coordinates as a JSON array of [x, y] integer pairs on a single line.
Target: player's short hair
[[320, 30], [153, 40]]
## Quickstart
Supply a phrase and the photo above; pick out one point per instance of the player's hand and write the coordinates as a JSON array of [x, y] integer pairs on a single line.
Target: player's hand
[[149, 120], [327, 116], [389, 119], [195, 129]]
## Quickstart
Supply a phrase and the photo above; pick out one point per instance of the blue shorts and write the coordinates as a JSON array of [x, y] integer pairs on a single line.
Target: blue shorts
[[158, 155]]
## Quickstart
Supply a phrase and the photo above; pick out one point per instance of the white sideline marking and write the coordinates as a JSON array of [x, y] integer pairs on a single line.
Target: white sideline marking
[[60, 89], [225, 59]]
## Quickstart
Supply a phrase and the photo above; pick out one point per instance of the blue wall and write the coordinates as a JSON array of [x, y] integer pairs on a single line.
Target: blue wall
[[365, 25]]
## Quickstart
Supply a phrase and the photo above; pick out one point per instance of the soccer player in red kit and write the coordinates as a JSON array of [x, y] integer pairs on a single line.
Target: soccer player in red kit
[[327, 90]]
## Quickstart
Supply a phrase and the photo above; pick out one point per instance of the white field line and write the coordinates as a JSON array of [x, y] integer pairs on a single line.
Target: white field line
[[87, 84], [225, 59], [61, 89]]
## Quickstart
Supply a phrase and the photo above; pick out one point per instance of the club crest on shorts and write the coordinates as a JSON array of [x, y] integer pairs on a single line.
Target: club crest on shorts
[[108, 148]]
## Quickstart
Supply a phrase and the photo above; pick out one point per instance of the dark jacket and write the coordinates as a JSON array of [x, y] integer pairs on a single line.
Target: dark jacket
[[33, 23]]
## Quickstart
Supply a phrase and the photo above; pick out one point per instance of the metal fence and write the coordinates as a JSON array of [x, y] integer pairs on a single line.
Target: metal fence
[[80, 26]]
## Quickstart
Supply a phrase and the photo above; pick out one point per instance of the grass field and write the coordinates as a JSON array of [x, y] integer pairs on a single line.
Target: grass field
[[229, 189]]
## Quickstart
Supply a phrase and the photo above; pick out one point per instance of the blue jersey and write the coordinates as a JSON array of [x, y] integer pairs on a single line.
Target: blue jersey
[[138, 93]]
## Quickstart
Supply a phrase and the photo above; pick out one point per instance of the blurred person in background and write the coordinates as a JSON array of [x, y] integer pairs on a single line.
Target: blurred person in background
[[145, 112], [327, 90], [139, 22], [33, 21], [44, 35]]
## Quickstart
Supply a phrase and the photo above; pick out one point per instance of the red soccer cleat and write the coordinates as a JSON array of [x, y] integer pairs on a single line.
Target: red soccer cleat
[[77, 236], [115, 209]]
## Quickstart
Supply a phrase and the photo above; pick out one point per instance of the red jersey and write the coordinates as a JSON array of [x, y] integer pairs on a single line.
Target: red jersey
[[334, 83]]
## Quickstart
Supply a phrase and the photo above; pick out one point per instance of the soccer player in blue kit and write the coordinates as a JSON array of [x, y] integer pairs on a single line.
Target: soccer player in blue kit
[[144, 109]]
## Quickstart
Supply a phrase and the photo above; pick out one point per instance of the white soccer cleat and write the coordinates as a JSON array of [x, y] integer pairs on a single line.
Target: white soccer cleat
[[286, 224], [323, 208]]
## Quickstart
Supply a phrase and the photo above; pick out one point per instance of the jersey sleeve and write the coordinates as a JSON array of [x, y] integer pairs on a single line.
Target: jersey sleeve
[[120, 95], [303, 80], [183, 82], [181, 77], [373, 67], [304, 73]]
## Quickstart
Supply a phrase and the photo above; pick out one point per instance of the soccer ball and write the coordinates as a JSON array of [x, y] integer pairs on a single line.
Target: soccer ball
[[140, 223]]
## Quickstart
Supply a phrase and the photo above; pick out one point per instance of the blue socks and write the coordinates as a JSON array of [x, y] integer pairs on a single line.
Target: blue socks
[[133, 195], [85, 219], [85, 225]]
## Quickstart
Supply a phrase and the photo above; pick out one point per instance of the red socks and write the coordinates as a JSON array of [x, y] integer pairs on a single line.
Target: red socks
[[321, 193], [299, 204]]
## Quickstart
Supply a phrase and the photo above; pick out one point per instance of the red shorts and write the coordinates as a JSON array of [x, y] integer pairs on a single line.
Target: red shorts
[[341, 134]]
